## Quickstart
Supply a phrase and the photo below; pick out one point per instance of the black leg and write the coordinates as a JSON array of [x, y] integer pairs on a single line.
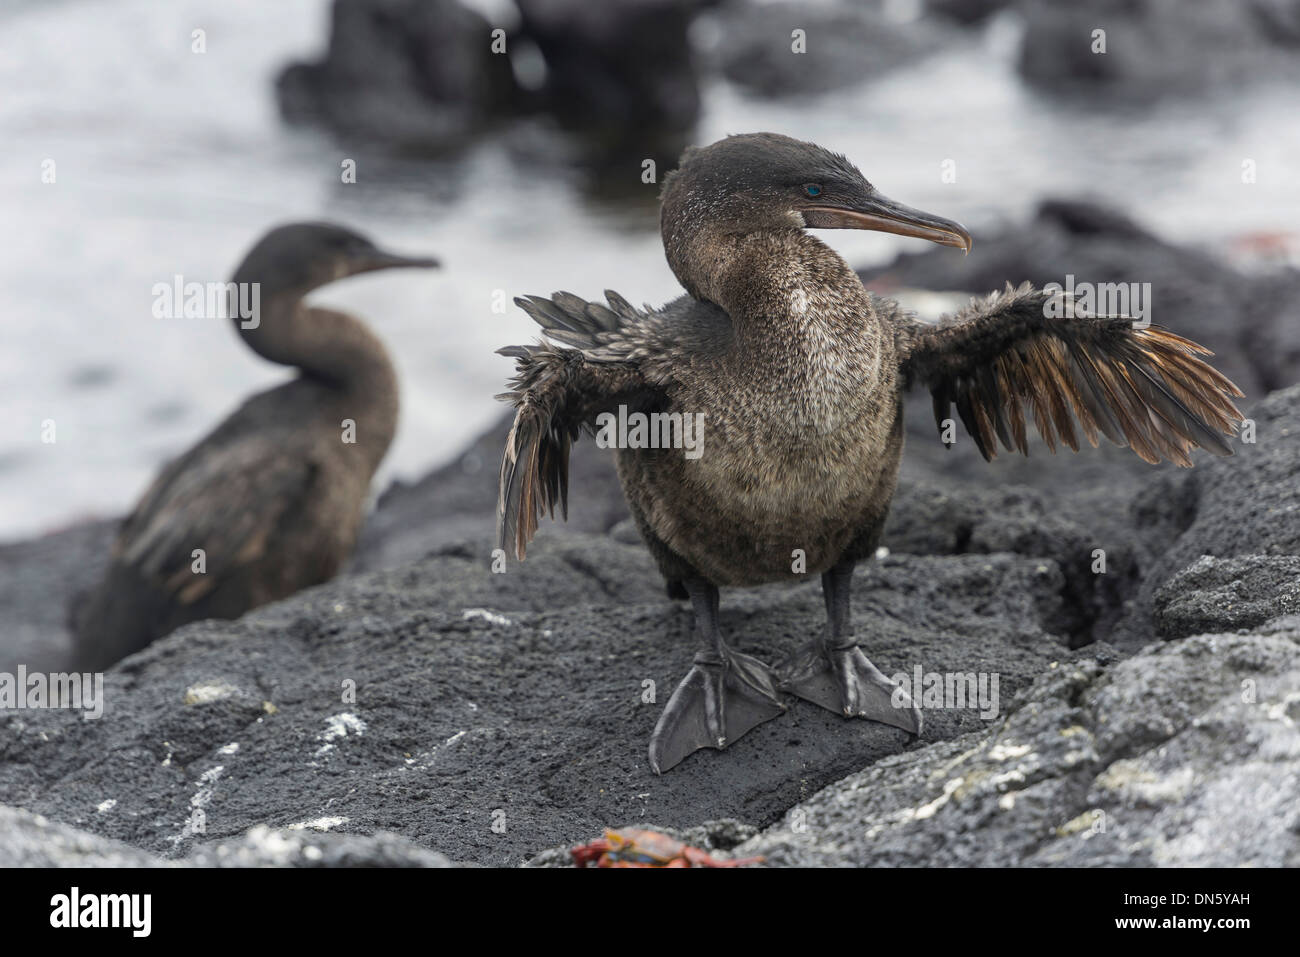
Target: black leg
[[834, 673], [704, 602], [837, 590], [724, 695]]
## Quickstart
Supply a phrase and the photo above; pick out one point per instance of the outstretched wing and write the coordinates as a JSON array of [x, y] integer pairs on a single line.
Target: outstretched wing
[[558, 392], [1145, 388]]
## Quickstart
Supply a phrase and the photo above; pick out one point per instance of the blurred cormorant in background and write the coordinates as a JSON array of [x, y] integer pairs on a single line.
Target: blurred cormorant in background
[[271, 501]]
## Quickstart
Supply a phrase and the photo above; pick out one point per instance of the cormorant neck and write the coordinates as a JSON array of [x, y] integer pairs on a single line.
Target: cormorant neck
[[762, 276], [336, 350]]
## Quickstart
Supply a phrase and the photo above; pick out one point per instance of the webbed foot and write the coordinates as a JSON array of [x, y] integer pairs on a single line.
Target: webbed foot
[[722, 697], [842, 679]]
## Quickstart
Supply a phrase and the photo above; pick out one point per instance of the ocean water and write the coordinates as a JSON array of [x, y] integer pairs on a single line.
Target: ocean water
[[169, 162]]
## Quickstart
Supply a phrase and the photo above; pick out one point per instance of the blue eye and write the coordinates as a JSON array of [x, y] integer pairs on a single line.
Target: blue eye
[[813, 190]]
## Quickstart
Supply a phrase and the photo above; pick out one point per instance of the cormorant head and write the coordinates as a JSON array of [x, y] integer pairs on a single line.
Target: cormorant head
[[760, 181], [299, 257]]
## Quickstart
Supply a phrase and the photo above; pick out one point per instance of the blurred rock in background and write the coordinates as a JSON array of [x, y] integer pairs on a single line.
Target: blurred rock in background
[[1157, 48], [417, 73], [422, 74]]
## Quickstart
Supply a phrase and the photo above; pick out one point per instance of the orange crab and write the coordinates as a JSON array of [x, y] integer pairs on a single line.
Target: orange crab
[[634, 847]]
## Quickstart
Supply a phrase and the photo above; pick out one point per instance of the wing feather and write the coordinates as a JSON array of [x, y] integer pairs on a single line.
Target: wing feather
[[1021, 351], [557, 394]]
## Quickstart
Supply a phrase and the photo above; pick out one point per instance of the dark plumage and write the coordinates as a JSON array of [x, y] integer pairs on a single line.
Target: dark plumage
[[800, 374], [274, 495]]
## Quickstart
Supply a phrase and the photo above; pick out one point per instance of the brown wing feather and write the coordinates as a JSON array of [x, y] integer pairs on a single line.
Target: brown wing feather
[[557, 394], [1146, 388]]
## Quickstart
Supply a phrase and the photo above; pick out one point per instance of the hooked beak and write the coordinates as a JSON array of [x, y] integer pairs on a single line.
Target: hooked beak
[[886, 216], [382, 259]]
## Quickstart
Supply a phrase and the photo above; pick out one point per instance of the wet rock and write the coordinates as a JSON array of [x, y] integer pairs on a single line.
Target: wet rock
[[967, 12], [38, 580], [308, 847], [31, 840], [496, 715], [425, 74], [1155, 48], [1250, 503], [1247, 509], [1160, 760], [843, 44], [623, 69], [1280, 19], [929, 520], [1272, 314], [1225, 594], [419, 73]]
